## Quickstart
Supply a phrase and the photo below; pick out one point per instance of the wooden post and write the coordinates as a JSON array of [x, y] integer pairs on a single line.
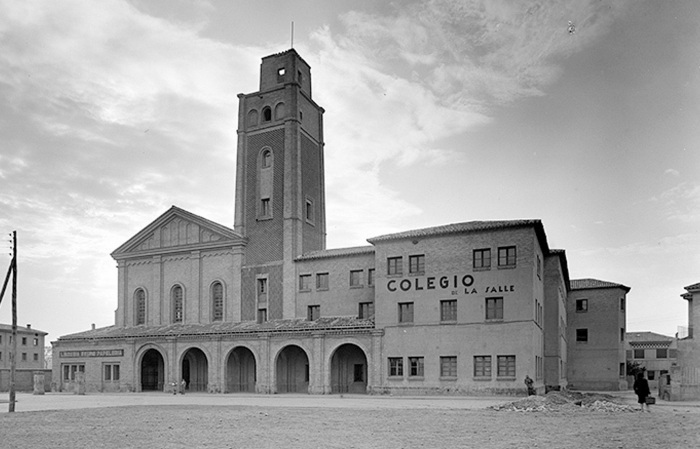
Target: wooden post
[[13, 354]]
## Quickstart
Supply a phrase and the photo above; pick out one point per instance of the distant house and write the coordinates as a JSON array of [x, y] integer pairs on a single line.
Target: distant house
[[685, 376], [596, 335], [30, 357], [655, 352]]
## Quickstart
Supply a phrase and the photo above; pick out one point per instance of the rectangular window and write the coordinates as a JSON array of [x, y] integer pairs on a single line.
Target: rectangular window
[[494, 308], [313, 312], [24, 341], [262, 287], [262, 315], [482, 259], [405, 312], [265, 207], [506, 366], [0, 355], [582, 305], [217, 293], [394, 266], [370, 277], [24, 356], [448, 366], [415, 367], [416, 264], [395, 366], [448, 310], [322, 281], [482, 366], [70, 372], [622, 334], [36, 357], [662, 353], [366, 311], [581, 335], [639, 353], [651, 375], [309, 212], [356, 278], [539, 267], [623, 370], [36, 342], [622, 304], [111, 373], [304, 282], [506, 256]]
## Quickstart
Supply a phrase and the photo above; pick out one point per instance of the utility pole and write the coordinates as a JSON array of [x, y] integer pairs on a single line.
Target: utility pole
[[12, 270]]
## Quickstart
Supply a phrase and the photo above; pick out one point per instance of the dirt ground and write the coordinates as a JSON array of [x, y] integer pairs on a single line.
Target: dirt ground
[[527, 423]]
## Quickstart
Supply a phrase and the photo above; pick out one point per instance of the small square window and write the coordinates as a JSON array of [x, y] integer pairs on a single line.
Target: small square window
[[581, 335], [415, 367], [366, 310], [395, 366], [313, 312], [322, 281], [494, 308], [304, 282], [582, 305], [356, 278], [448, 366], [662, 353], [416, 264], [482, 366], [448, 310], [405, 312], [506, 366], [394, 266], [482, 259], [639, 353], [506, 256]]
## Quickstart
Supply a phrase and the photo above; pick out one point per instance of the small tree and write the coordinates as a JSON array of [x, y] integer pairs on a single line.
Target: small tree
[[48, 356], [634, 368]]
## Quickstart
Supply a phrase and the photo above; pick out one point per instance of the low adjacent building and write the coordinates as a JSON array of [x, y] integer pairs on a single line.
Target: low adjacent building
[[654, 352], [30, 357]]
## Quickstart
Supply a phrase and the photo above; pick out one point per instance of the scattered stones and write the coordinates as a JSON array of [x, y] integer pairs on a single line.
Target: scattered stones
[[556, 401]]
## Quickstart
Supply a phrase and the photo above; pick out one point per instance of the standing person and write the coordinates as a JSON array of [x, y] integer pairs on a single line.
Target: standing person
[[530, 388], [641, 389], [183, 385]]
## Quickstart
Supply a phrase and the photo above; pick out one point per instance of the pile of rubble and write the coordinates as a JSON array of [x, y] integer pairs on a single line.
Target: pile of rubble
[[556, 401]]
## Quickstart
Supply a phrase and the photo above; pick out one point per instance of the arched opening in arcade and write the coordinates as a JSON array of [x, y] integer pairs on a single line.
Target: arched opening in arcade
[[240, 371], [292, 370], [195, 370], [152, 371], [349, 370]]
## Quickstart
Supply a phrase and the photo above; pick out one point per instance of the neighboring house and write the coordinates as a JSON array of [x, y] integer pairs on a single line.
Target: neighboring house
[[596, 312], [30, 356], [655, 352], [684, 383]]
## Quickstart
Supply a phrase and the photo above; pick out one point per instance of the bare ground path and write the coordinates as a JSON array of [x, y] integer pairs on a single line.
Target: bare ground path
[[299, 421]]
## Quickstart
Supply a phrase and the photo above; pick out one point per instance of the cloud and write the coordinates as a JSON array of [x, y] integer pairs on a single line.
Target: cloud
[[672, 172], [680, 203]]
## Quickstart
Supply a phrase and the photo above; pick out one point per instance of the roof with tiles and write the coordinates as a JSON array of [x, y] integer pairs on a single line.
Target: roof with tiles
[[337, 252], [588, 284], [646, 336], [693, 288], [466, 227], [325, 324], [21, 329]]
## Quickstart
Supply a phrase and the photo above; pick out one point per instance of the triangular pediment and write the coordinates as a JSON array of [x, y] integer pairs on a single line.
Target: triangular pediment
[[177, 228]]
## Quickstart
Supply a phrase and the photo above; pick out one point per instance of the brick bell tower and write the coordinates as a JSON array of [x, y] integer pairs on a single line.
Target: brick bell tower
[[280, 196]]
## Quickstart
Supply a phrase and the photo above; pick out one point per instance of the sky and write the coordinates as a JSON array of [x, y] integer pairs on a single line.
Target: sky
[[583, 114]]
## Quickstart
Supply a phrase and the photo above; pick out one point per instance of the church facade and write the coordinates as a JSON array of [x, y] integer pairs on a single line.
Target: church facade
[[465, 308]]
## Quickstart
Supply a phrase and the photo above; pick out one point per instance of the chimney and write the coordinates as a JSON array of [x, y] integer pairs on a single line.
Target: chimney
[[93, 326], [29, 326]]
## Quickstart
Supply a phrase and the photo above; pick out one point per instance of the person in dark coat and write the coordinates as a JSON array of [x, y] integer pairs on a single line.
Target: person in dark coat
[[641, 389]]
